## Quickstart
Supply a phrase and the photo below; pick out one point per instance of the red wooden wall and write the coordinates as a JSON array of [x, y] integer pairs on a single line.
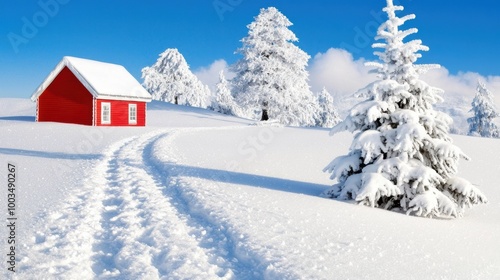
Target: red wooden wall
[[119, 113], [65, 100]]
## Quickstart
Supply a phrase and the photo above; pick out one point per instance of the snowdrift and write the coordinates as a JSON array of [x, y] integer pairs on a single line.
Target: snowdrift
[[199, 195]]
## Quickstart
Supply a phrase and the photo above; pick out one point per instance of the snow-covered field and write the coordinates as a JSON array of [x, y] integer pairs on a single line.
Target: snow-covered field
[[199, 195]]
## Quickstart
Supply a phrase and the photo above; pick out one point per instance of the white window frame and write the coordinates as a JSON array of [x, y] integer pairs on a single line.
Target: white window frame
[[105, 106], [132, 118]]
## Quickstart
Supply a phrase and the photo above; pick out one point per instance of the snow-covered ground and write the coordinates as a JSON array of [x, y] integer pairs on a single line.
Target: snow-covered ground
[[199, 195]]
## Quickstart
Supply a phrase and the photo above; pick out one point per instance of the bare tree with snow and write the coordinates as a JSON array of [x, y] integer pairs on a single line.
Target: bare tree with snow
[[327, 114], [223, 101], [271, 78], [482, 123], [402, 156], [170, 80]]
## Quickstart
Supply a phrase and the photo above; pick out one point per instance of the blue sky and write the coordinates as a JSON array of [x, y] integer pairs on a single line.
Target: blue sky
[[35, 35]]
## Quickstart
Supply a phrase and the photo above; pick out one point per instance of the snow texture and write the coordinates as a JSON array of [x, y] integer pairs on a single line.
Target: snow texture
[[272, 74], [201, 195], [170, 80], [402, 157]]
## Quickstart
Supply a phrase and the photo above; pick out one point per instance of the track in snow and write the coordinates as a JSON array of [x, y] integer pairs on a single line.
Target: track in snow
[[212, 236], [131, 221]]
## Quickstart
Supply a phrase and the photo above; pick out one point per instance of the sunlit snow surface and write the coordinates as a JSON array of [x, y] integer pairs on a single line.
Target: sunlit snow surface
[[199, 195]]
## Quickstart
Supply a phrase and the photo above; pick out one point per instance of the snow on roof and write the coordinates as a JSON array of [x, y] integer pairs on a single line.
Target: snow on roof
[[102, 80]]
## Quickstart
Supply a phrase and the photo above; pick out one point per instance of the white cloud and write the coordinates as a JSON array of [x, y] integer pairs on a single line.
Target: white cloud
[[459, 90], [342, 76], [210, 75], [338, 72], [462, 85]]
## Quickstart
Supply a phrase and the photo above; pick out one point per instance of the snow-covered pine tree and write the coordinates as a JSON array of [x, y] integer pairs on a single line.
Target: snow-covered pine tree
[[484, 110], [327, 116], [223, 101], [170, 80], [272, 73], [401, 156]]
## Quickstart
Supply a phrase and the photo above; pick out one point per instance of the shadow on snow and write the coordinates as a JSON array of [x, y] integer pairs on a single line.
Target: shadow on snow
[[260, 181], [19, 118], [54, 155]]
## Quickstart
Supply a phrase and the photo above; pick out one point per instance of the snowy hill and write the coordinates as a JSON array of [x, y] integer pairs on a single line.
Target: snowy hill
[[199, 195]]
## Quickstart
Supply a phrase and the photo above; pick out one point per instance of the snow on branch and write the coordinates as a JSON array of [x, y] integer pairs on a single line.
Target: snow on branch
[[341, 167], [375, 186], [402, 156], [464, 193], [370, 144], [432, 204], [403, 34], [485, 111]]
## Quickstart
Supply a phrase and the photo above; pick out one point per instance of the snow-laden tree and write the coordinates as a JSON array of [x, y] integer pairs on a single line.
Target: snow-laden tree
[[170, 80], [401, 156], [223, 101], [327, 115], [271, 78], [484, 110]]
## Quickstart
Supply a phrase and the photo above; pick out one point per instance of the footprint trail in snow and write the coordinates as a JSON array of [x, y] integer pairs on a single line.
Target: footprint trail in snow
[[128, 223]]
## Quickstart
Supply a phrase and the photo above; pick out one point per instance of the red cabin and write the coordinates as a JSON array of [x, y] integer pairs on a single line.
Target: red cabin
[[88, 92]]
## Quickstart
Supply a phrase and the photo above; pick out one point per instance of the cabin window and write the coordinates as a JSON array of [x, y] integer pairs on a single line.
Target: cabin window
[[132, 113], [106, 113]]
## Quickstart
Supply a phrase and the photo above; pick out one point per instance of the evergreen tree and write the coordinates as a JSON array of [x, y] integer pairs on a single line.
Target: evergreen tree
[[271, 78], [170, 80], [401, 156], [481, 123], [223, 101], [327, 116]]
